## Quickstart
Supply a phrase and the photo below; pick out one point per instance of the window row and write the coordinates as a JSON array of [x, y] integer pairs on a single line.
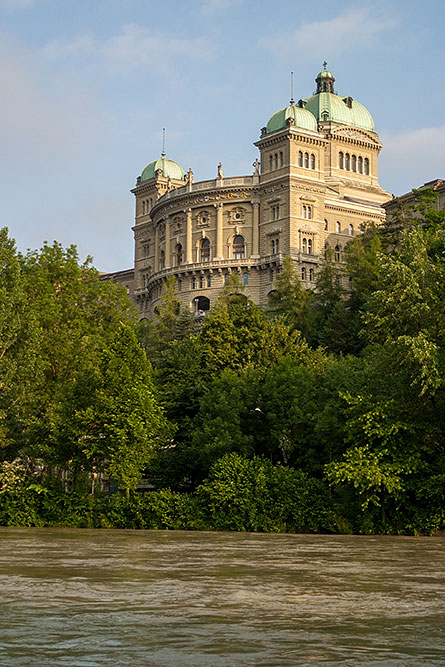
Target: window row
[[307, 246], [147, 204], [305, 160], [307, 212], [275, 246], [353, 163], [238, 252], [305, 273], [275, 212], [338, 228], [276, 160]]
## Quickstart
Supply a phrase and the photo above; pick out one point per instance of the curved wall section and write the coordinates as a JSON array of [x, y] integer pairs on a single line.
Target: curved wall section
[[199, 233]]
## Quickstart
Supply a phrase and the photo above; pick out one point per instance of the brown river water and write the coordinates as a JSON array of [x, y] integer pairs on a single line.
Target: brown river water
[[161, 598]]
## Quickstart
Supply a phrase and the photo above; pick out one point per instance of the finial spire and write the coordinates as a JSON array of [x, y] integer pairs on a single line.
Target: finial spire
[[163, 142], [292, 101], [325, 64]]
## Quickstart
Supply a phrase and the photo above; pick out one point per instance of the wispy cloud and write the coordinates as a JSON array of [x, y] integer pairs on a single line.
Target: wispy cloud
[[40, 117], [352, 30], [216, 6], [412, 158], [133, 48]]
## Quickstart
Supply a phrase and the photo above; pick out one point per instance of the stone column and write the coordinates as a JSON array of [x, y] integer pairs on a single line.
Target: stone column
[[156, 266], [255, 229], [189, 237], [219, 231], [167, 244]]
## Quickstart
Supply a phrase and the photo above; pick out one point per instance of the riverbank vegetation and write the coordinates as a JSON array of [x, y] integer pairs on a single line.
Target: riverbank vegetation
[[324, 413]]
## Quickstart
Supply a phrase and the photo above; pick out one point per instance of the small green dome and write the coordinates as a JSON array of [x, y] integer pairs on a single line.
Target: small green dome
[[343, 110], [302, 119], [324, 74], [168, 168]]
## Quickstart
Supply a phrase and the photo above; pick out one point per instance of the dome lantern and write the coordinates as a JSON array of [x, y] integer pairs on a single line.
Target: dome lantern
[[325, 81]]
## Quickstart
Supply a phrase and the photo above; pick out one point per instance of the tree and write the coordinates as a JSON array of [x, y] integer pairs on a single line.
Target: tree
[[20, 366], [171, 321], [115, 418], [291, 301], [76, 316]]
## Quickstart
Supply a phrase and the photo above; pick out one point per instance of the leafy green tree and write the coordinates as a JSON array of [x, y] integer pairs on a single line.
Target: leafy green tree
[[291, 301], [20, 338], [76, 316], [171, 321], [239, 334], [120, 422]]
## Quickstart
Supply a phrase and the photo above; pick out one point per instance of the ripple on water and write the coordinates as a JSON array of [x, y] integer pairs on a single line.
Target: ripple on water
[[169, 598]]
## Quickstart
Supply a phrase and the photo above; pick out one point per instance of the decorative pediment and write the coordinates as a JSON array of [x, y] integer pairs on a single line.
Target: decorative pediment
[[356, 134], [307, 229]]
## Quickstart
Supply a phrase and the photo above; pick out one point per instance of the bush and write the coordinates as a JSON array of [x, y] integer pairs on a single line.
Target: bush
[[254, 495]]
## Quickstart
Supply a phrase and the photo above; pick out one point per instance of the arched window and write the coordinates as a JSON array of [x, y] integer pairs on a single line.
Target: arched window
[[341, 160], [312, 161], [202, 303], [360, 165], [281, 159], [270, 162], [311, 275], [309, 246], [347, 161], [337, 227], [193, 282], [273, 246], [201, 282], [306, 160], [325, 225], [300, 158], [303, 273], [337, 253], [205, 250], [309, 212], [209, 280], [351, 230], [179, 285], [178, 254], [276, 160], [366, 166], [239, 248], [305, 245], [277, 245], [245, 278], [162, 260], [354, 163]]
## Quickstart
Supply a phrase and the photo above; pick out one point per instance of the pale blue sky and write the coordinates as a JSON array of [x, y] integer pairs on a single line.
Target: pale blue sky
[[88, 85]]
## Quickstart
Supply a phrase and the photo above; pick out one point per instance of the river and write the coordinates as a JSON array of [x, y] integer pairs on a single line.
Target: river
[[159, 598]]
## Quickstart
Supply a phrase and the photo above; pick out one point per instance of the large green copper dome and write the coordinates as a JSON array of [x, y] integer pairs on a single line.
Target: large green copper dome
[[324, 106], [327, 107], [168, 168], [302, 119]]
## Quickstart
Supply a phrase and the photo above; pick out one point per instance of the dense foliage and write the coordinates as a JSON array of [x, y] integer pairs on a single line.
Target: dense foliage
[[324, 413]]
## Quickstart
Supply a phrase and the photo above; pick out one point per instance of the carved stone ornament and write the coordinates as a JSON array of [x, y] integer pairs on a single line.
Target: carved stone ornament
[[203, 219], [237, 216], [352, 133]]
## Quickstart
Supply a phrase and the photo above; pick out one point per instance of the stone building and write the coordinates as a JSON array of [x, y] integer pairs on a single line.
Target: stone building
[[314, 184], [408, 200]]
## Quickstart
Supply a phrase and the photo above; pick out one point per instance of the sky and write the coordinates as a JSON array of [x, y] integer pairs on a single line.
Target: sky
[[87, 85]]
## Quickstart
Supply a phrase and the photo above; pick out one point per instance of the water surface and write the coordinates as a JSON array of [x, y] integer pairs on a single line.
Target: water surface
[[165, 598]]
